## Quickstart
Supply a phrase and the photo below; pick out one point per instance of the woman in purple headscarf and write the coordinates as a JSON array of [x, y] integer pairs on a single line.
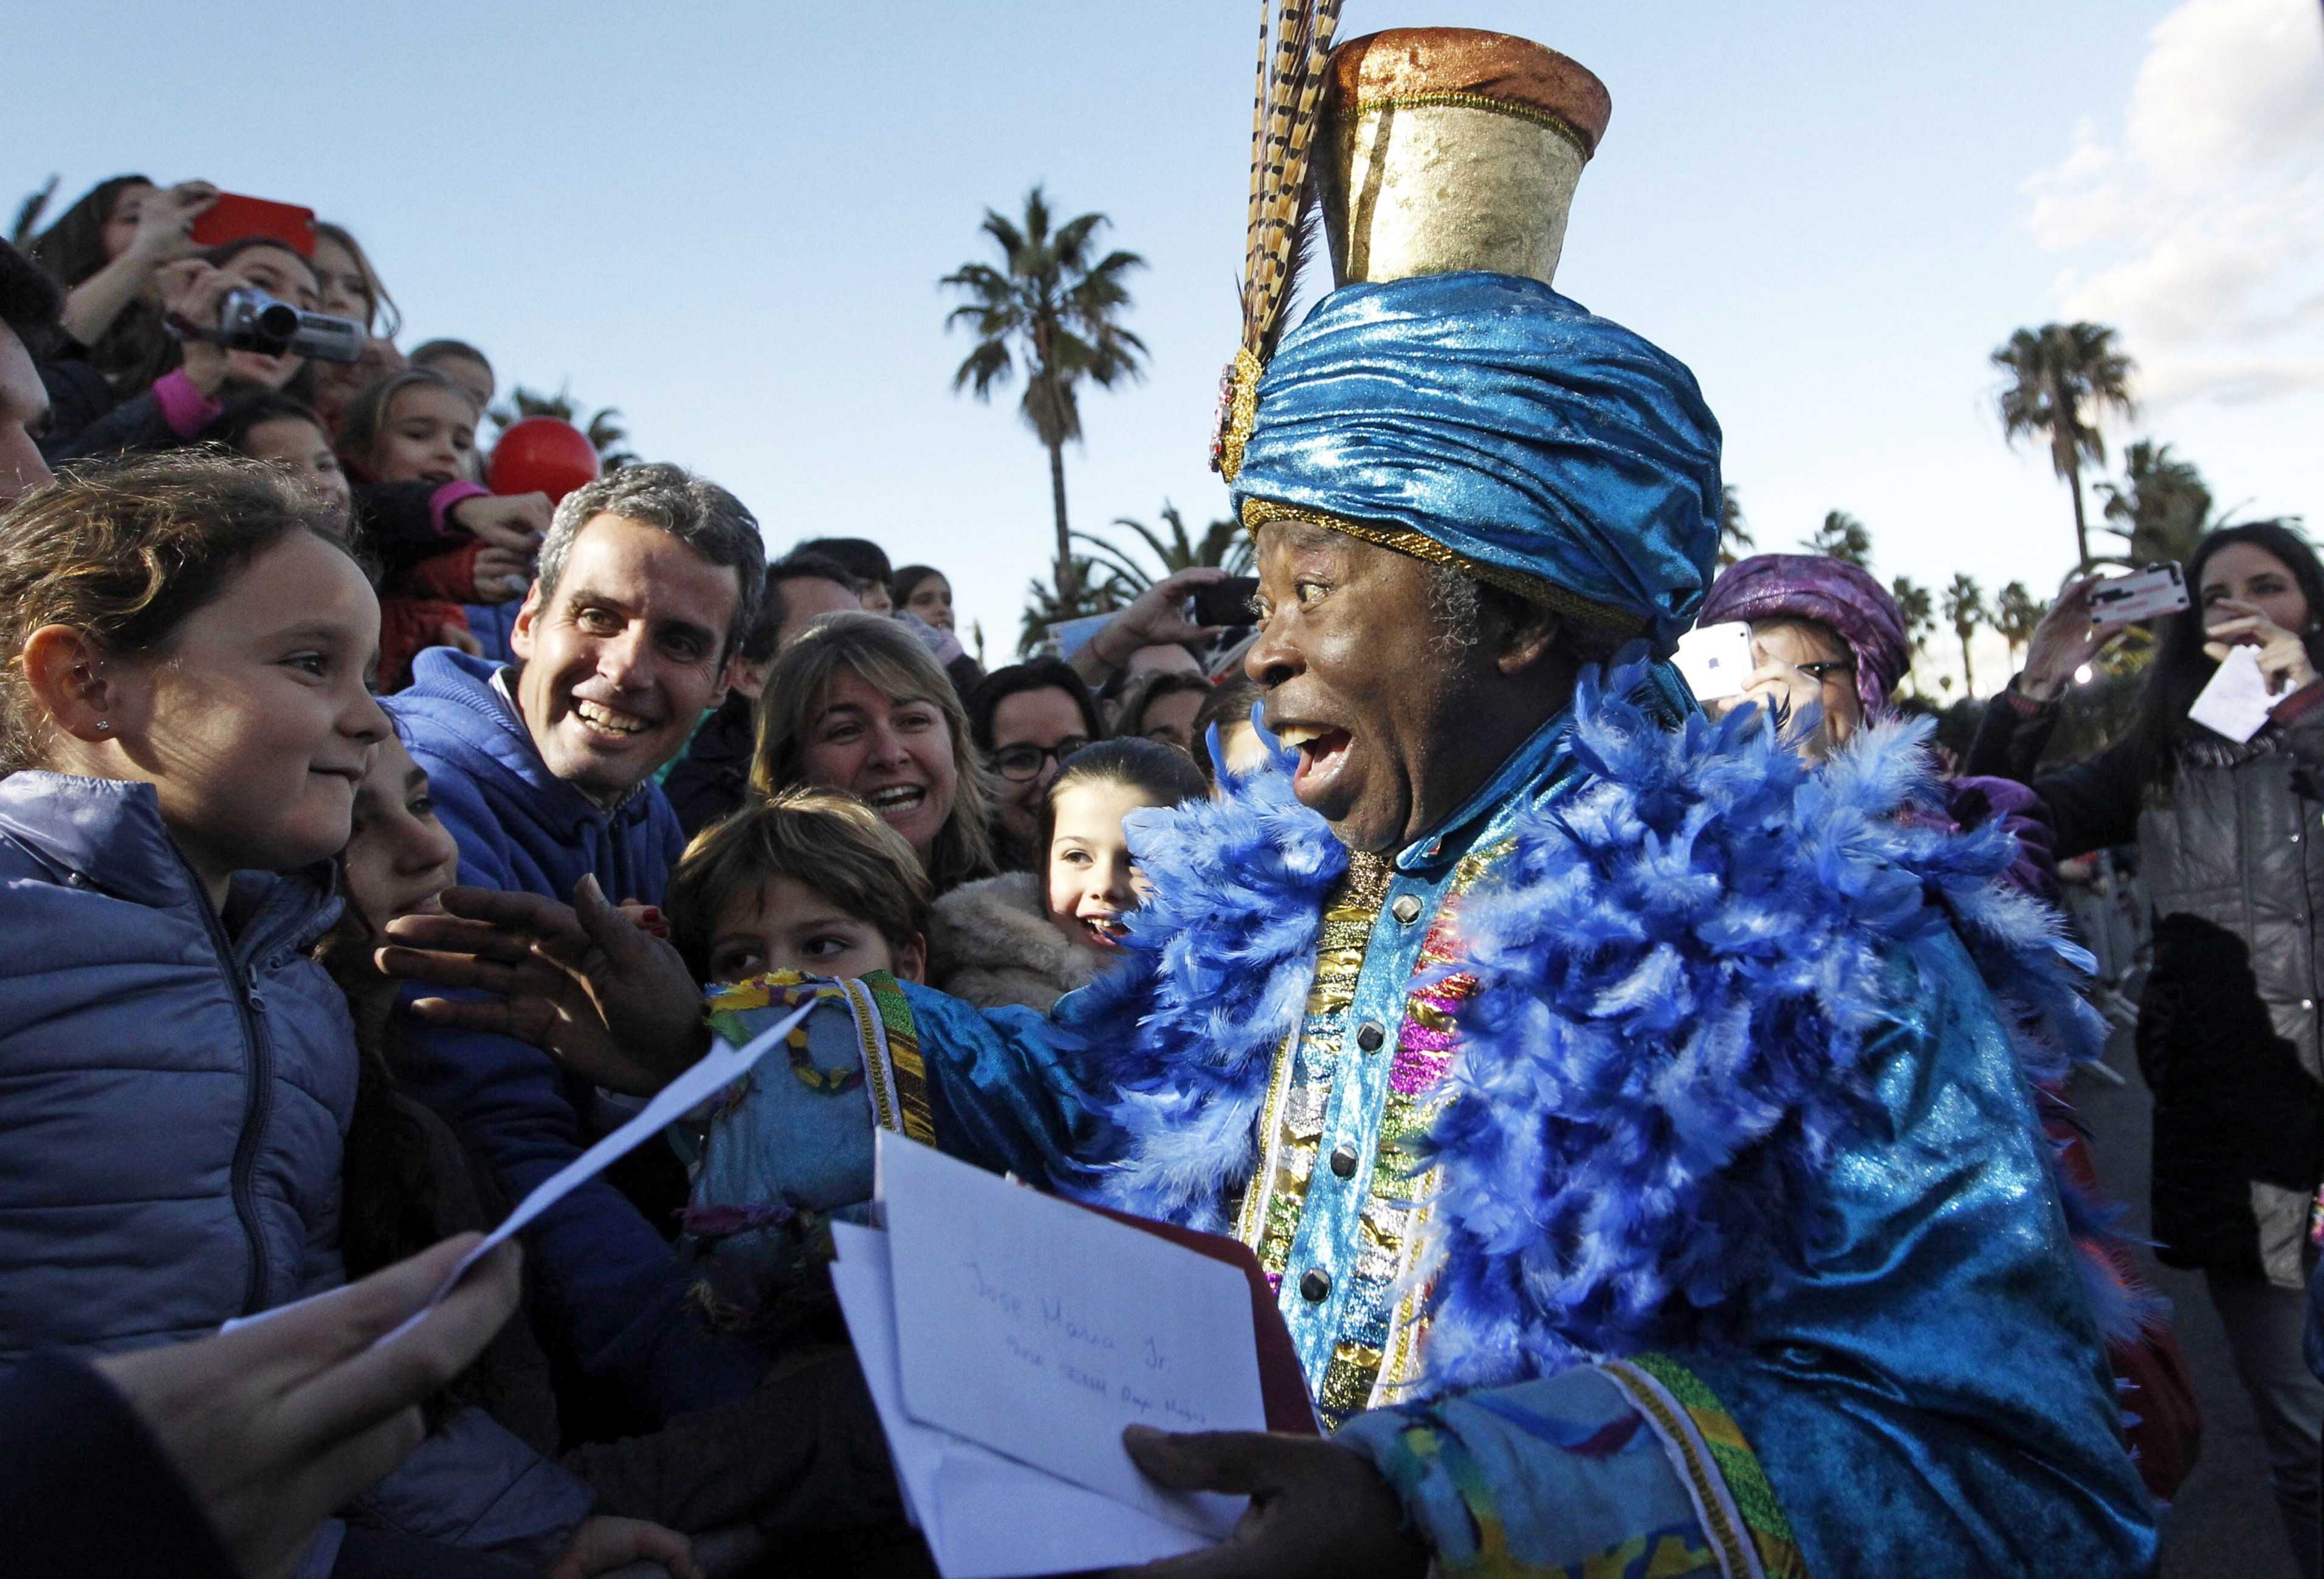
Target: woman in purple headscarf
[[1824, 632]]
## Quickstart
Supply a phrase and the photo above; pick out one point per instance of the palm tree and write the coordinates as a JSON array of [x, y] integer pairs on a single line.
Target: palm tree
[[1917, 608], [1053, 307], [2062, 376], [2160, 508], [1965, 607], [1222, 543], [1842, 537], [1734, 535], [2016, 615], [1085, 594], [606, 435]]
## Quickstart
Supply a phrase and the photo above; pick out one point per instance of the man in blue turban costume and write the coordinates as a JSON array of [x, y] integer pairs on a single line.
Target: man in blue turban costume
[[1634, 1118]]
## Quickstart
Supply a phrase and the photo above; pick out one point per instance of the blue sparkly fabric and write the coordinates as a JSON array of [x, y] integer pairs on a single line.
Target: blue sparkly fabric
[[1491, 415], [1880, 1293]]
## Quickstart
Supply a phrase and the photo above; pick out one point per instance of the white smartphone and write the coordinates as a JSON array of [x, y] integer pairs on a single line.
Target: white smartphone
[[2144, 595], [1715, 660]]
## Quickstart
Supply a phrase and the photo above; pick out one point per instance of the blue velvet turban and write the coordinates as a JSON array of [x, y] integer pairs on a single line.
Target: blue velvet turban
[[1485, 421]]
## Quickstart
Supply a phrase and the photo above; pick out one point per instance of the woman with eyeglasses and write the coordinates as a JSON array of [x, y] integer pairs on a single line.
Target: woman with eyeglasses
[[1026, 719]]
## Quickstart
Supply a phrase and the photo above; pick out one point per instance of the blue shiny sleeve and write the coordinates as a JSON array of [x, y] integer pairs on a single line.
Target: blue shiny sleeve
[[1007, 1092], [1564, 1478], [1929, 1395]]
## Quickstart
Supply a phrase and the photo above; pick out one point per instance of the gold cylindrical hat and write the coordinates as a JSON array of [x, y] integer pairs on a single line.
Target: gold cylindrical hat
[[1446, 148]]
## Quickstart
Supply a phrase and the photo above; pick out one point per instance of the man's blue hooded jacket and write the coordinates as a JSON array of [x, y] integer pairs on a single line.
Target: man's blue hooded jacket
[[610, 1292]]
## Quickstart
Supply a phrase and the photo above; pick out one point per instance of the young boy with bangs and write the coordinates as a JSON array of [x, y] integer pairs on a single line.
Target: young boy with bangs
[[810, 882], [808, 893]]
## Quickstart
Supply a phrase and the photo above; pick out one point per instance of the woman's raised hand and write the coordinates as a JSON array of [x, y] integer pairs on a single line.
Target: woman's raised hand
[[165, 222], [2283, 655], [2067, 638]]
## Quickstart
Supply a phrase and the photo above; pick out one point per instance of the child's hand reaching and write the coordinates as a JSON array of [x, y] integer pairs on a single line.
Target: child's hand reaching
[[586, 984]]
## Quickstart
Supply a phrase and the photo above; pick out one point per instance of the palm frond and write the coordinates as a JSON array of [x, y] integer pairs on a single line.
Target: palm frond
[[28, 215], [984, 368]]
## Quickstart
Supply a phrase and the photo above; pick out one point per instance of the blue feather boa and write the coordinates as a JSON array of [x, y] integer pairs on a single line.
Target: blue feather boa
[[1220, 958], [1680, 966]]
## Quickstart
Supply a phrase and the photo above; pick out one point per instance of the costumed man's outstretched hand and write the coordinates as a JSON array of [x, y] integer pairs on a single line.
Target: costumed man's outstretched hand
[[1316, 1508], [582, 982]]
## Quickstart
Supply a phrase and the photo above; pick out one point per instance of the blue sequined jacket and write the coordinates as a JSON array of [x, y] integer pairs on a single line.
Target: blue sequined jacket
[[1729, 1213]]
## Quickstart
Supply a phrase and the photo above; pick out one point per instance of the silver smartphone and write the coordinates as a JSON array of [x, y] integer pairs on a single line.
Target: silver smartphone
[[1715, 660]]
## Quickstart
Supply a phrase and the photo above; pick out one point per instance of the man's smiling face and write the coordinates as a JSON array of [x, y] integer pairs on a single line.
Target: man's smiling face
[[623, 655], [1397, 722]]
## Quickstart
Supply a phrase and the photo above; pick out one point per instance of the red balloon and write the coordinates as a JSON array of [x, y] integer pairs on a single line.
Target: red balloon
[[542, 454]]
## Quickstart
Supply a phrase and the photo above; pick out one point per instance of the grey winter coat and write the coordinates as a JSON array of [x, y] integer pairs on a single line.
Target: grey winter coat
[[2231, 847]]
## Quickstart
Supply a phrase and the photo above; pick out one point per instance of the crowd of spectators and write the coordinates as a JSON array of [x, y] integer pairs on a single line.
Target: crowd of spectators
[[564, 693], [281, 672]]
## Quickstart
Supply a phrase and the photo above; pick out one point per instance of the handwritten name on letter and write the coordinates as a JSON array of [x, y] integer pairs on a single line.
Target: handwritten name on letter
[[1041, 1330]]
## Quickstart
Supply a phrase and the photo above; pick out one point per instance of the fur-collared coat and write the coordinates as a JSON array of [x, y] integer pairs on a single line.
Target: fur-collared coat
[[990, 943]]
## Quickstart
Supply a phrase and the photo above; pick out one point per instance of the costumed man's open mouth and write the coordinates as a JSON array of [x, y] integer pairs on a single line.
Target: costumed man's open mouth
[[1321, 753]]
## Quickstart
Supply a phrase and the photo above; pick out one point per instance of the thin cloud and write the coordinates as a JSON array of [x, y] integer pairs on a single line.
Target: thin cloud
[[2195, 231]]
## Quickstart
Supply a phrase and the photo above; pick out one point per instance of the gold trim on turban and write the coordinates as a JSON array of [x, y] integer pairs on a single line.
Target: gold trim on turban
[[1534, 589]]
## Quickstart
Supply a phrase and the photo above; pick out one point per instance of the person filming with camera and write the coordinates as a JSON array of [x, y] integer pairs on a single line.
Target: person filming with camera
[[243, 320], [2230, 1039]]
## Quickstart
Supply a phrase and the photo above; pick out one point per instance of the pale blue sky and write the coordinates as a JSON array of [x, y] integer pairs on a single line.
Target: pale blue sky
[[729, 220]]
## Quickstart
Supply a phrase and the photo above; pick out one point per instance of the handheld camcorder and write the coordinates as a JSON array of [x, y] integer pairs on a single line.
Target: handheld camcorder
[[249, 319]]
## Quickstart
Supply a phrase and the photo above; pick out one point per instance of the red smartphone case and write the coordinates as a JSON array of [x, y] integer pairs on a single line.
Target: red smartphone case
[[234, 217]]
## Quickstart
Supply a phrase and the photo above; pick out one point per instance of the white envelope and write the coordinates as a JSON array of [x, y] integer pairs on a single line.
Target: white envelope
[[1041, 1330], [714, 1071], [984, 1515], [2236, 702]]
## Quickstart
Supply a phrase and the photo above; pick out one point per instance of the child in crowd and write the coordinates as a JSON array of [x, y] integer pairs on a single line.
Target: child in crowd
[[107, 252], [922, 592], [182, 386], [289, 434], [410, 1180], [808, 882], [1162, 704], [470, 371], [419, 426], [1028, 938], [185, 643], [866, 560], [347, 286]]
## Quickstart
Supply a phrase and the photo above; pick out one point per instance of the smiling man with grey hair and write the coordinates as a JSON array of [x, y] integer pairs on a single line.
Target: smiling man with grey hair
[[543, 773]]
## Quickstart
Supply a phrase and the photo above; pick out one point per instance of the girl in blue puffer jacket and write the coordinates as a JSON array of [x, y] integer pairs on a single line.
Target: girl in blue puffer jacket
[[185, 649]]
